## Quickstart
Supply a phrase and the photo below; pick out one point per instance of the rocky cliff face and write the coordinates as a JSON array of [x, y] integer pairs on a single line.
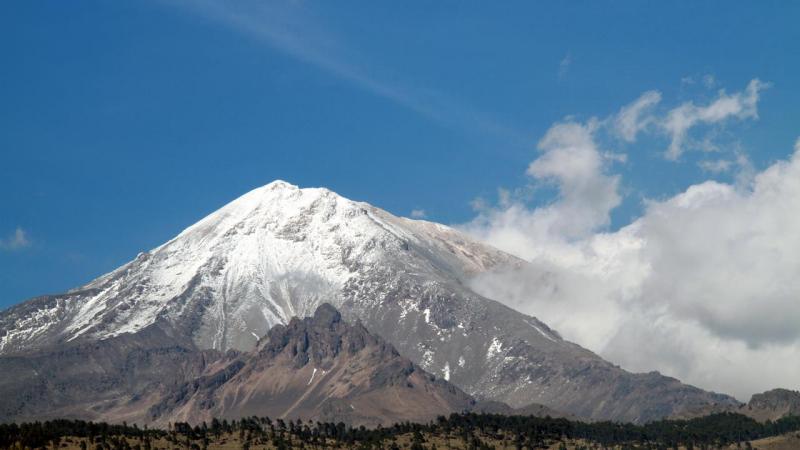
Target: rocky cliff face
[[773, 405], [280, 251], [769, 405]]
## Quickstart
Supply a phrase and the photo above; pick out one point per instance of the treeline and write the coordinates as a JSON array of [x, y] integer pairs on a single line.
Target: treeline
[[469, 430], [705, 432], [45, 434]]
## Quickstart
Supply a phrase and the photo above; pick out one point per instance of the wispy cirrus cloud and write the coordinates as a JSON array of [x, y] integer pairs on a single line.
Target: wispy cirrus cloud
[[15, 241], [291, 28]]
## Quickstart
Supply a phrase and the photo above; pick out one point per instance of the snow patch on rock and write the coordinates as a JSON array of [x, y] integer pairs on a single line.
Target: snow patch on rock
[[494, 348]]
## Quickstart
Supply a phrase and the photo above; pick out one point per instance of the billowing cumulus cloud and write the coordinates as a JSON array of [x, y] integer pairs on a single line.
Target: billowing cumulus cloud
[[572, 162], [703, 286]]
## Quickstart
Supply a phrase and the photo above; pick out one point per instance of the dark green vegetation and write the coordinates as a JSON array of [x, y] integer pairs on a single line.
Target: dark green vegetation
[[478, 431]]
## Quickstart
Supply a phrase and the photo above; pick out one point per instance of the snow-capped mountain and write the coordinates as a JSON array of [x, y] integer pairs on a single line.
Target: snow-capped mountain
[[276, 252], [281, 251]]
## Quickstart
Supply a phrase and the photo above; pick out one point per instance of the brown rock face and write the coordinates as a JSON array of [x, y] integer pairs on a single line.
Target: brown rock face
[[773, 405], [770, 405], [114, 380], [319, 368]]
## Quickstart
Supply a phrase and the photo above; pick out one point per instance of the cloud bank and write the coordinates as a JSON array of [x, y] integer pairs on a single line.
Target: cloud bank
[[703, 286]]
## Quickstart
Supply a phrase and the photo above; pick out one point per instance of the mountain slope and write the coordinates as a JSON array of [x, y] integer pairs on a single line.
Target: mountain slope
[[280, 251], [116, 379], [318, 368], [274, 253], [772, 405]]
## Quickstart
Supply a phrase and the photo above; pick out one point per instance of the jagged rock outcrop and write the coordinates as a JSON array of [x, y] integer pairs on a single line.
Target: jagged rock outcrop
[[773, 404], [770, 405], [319, 368]]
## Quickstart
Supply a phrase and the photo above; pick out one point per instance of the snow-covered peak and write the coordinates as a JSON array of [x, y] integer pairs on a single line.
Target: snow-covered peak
[[272, 202], [275, 252]]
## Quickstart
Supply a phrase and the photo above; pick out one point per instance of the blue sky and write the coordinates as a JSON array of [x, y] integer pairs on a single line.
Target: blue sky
[[124, 122]]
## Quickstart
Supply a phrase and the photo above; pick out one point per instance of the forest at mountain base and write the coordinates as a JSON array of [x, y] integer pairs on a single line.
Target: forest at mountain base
[[458, 431]]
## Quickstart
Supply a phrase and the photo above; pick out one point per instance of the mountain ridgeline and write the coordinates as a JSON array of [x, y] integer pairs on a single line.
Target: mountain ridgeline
[[199, 305]]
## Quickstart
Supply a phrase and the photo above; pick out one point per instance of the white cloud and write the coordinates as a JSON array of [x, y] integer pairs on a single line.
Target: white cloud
[[633, 118], [703, 286], [418, 214], [17, 240], [679, 121], [709, 80], [564, 65], [572, 162], [639, 117], [716, 166]]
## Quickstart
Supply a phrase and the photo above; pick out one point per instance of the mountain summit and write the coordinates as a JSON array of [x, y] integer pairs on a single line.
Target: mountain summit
[[274, 253], [280, 251]]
